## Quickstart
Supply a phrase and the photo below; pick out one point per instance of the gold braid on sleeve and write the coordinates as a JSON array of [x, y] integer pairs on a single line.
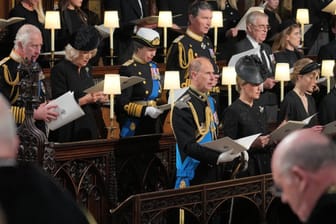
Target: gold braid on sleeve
[[8, 78], [184, 60], [18, 114], [133, 109]]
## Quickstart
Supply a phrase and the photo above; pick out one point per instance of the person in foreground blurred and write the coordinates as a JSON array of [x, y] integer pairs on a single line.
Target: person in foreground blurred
[[74, 74], [27, 194], [304, 173], [137, 111], [194, 123]]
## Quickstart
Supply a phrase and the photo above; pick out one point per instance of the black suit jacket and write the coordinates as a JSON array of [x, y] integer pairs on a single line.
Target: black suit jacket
[[129, 10], [245, 45], [327, 51]]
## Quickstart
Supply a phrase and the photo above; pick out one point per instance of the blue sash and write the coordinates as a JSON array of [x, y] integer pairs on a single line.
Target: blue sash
[[185, 171]]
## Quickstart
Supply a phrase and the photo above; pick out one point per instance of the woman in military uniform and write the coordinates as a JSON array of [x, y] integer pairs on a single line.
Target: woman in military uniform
[[136, 106]]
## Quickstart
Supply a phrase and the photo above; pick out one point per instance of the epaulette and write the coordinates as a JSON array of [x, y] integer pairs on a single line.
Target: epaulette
[[4, 60], [129, 62], [183, 102], [178, 39]]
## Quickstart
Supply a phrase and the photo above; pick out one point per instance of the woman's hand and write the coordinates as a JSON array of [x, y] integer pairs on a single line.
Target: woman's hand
[[317, 128], [261, 141]]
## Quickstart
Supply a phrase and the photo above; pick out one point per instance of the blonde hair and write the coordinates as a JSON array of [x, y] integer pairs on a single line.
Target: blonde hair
[[240, 82], [222, 3], [299, 64], [280, 42], [40, 13], [71, 53]]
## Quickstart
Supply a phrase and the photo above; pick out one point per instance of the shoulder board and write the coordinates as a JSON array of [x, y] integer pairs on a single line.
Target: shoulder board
[[183, 102], [129, 62], [4, 60], [178, 39]]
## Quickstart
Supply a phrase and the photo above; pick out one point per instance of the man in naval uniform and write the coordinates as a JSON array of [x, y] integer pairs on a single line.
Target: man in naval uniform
[[27, 46], [193, 123], [194, 43], [136, 107]]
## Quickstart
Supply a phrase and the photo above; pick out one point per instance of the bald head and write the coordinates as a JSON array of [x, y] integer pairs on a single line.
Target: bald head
[[202, 74], [304, 148]]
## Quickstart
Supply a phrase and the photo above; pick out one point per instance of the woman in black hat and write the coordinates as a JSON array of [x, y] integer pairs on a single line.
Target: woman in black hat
[[136, 109], [74, 74], [298, 104], [245, 117]]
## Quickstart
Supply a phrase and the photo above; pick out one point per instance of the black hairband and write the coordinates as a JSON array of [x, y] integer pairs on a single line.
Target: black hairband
[[309, 68]]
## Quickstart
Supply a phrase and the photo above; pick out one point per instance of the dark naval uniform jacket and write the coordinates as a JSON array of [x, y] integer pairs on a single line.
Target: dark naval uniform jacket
[[194, 122], [9, 80], [131, 104], [184, 49]]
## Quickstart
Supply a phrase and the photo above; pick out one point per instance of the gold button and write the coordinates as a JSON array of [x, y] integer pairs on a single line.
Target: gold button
[[196, 55], [144, 82], [146, 92], [139, 73], [190, 45], [134, 64]]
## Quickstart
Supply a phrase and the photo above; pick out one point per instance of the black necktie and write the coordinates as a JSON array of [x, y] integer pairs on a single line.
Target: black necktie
[[264, 59]]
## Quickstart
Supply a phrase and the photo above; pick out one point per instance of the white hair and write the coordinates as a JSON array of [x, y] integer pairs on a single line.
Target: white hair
[[71, 53], [24, 34]]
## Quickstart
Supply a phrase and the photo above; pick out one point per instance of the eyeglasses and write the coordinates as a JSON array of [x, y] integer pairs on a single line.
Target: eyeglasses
[[262, 27], [276, 191]]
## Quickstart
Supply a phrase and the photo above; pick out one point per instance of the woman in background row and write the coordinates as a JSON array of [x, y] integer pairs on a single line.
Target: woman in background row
[[74, 74], [287, 42], [298, 103], [32, 11]]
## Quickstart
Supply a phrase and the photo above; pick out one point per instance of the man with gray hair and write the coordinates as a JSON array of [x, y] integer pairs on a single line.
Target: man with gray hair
[[27, 46], [304, 173]]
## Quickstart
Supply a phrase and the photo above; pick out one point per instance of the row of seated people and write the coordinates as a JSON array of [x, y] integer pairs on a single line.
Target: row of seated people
[[76, 14]]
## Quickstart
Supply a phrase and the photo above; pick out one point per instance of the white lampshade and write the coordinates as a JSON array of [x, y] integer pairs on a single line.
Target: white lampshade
[[165, 19], [217, 19], [171, 80], [229, 76], [327, 68], [52, 20], [111, 19], [112, 84], [302, 16], [282, 72]]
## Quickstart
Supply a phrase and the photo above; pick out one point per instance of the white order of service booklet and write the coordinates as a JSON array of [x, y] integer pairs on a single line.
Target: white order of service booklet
[[68, 109]]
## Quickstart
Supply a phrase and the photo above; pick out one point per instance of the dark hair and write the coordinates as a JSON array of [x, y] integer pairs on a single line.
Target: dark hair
[[198, 5], [309, 68]]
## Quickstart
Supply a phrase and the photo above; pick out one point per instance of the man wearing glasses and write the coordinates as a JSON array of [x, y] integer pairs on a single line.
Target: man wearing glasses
[[304, 173], [256, 32]]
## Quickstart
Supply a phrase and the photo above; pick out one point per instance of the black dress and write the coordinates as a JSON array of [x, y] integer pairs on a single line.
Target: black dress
[[292, 109], [70, 23], [241, 120], [327, 109], [287, 56], [30, 18], [27, 195], [64, 78]]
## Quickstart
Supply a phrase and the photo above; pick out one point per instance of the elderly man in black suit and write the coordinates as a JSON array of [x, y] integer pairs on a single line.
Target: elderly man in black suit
[[256, 33]]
